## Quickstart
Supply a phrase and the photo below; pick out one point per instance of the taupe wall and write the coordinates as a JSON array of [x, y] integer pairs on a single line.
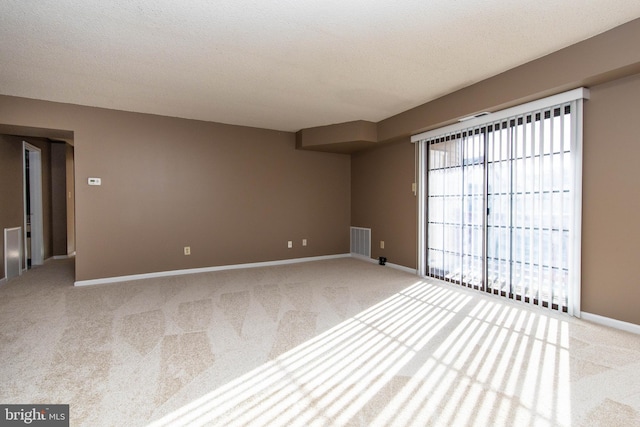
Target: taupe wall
[[602, 58], [608, 64], [383, 200], [236, 195], [233, 194], [11, 189], [611, 201], [58, 198]]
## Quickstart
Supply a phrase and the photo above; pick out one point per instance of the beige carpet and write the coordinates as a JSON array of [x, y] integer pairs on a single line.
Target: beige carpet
[[329, 343]]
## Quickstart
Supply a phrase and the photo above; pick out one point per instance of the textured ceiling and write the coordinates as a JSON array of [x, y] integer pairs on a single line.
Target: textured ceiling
[[279, 64]]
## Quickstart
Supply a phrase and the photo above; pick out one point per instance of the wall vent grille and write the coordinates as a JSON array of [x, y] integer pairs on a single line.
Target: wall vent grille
[[12, 252], [361, 241]]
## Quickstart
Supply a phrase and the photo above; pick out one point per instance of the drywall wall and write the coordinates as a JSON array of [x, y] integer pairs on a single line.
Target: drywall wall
[[10, 188], [232, 194], [383, 200], [58, 198], [339, 138], [256, 191], [610, 55], [610, 230], [611, 201], [608, 64]]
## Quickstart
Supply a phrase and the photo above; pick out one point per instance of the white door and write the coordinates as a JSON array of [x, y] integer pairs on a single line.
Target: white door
[[33, 222]]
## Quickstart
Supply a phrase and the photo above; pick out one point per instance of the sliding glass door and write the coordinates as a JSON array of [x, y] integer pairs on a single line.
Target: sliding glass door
[[501, 203], [456, 205]]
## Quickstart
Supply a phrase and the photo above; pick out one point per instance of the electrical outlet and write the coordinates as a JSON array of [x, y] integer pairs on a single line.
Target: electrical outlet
[[187, 250], [304, 242], [289, 244], [381, 244]]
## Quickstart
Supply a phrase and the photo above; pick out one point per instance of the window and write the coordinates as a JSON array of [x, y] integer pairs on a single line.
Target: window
[[500, 199]]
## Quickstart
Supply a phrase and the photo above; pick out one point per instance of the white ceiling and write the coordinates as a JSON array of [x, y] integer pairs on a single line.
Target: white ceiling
[[279, 64]]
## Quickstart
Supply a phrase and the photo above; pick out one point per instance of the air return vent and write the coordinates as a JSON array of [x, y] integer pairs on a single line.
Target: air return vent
[[361, 241], [12, 252]]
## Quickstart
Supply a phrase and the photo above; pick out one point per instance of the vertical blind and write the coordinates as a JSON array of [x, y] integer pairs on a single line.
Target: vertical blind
[[502, 198]]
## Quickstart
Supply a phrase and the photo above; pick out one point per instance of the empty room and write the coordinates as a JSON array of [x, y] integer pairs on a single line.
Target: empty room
[[319, 213]]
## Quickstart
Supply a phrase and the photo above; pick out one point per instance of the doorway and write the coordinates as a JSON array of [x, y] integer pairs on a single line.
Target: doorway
[[33, 217]]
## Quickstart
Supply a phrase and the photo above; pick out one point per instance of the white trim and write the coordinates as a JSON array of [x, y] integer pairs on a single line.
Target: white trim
[[158, 274], [422, 212], [561, 98], [387, 264], [62, 256], [402, 268], [612, 323], [363, 258], [3, 281], [575, 246]]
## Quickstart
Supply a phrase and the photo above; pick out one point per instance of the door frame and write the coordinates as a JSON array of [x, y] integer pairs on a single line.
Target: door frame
[[35, 201]]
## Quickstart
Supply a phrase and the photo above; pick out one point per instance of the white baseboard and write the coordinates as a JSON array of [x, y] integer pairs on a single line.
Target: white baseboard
[[388, 264], [203, 270], [364, 258], [402, 268], [63, 256], [3, 281], [612, 323]]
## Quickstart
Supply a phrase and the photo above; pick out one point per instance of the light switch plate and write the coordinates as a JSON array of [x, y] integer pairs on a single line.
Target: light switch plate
[[95, 181]]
